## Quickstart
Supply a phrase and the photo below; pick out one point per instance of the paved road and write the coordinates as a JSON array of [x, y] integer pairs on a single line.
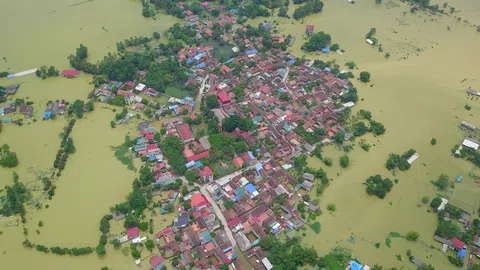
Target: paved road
[[219, 214]]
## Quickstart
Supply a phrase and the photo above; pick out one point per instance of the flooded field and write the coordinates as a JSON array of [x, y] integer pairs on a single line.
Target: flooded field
[[417, 97], [419, 93]]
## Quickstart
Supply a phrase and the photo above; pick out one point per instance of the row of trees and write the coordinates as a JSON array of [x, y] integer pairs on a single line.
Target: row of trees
[[253, 10], [45, 72], [66, 148], [59, 250], [310, 7], [131, 42]]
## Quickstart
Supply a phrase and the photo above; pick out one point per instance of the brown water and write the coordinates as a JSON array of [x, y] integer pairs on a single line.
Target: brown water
[[417, 99]]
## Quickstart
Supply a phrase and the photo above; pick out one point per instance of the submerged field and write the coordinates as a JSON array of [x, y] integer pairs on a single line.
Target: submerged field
[[417, 97]]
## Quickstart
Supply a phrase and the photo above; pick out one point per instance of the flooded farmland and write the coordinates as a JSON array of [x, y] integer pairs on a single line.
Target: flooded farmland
[[418, 93]]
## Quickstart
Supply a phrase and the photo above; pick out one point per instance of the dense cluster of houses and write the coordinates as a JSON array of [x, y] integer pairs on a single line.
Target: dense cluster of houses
[[197, 237]]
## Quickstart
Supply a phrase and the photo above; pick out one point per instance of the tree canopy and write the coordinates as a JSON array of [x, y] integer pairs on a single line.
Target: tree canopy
[[378, 186], [317, 42], [172, 148], [229, 124]]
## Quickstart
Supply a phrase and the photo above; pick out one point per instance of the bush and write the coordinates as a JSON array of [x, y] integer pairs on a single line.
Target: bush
[[435, 203], [425, 199], [331, 207], [412, 236], [316, 227], [467, 107], [377, 245], [344, 161], [433, 141], [328, 161]]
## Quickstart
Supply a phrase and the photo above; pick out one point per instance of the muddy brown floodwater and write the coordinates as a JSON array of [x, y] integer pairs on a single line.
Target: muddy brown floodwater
[[418, 93]]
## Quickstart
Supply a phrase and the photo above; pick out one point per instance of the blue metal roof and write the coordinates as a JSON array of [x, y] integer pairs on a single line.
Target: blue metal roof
[[327, 69], [356, 266], [250, 188], [462, 253], [325, 50], [251, 52], [230, 60], [258, 167]]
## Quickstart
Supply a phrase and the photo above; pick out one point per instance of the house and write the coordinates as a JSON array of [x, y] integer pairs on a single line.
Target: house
[[129, 98], [69, 73], [309, 29], [204, 5], [185, 133], [206, 175], [9, 108], [309, 177], [181, 221], [140, 87], [198, 156], [238, 162], [457, 244], [157, 262], [267, 263], [468, 142], [133, 232], [198, 201], [223, 98]]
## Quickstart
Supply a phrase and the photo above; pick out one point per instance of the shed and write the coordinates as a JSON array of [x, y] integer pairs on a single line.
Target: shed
[[223, 98], [267, 263], [326, 50], [462, 253], [47, 115], [70, 73]]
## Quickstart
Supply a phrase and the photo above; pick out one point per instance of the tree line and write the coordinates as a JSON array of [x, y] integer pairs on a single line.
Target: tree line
[[310, 7]]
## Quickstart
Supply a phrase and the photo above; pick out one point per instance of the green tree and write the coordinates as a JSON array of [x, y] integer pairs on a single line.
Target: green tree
[[191, 175], [156, 35], [100, 250], [378, 186], [317, 42], [412, 236], [443, 182], [377, 128], [339, 137], [146, 176], [435, 203], [344, 161], [149, 244], [433, 141], [212, 101], [364, 76], [82, 52], [360, 128]]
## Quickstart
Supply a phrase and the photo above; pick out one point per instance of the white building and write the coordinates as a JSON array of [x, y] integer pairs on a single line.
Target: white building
[[471, 143], [140, 87]]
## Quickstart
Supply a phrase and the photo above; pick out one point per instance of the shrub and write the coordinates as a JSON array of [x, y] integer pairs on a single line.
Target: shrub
[[425, 199], [433, 141], [331, 207], [412, 236], [316, 227], [364, 76], [435, 203], [344, 161], [467, 107]]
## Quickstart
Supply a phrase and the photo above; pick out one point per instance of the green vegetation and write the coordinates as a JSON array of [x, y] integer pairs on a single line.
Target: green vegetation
[[364, 76], [310, 137], [377, 245], [317, 42], [310, 7], [455, 261], [425, 199], [316, 227], [412, 236], [328, 161], [7, 159], [331, 207], [435, 203], [400, 162], [122, 153], [443, 182], [212, 101], [253, 10], [365, 146], [378, 186], [229, 124], [132, 41], [468, 153], [172, 148], [16, 196], [289, 255], [351, 65], [59, 250], [370, 35], [117, 101], [467, 107], [45, 72], [344, 161], [388, 242]]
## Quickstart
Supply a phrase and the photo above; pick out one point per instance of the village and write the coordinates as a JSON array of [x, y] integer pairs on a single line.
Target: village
[[239, 182]]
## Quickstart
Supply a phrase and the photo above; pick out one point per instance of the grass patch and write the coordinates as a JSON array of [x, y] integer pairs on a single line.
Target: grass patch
[[332, 263], [122, 153], [316, 227], [176, 92], [388, 242]]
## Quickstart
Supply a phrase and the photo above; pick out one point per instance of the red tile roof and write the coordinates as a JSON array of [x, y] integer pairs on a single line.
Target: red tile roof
[[238, 161], [198, 200], [133, 232], [457, 243], [70, 72], [156, 260], [223, 97], [206, 172], [234, 222], [198, 156], [185, 132]]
